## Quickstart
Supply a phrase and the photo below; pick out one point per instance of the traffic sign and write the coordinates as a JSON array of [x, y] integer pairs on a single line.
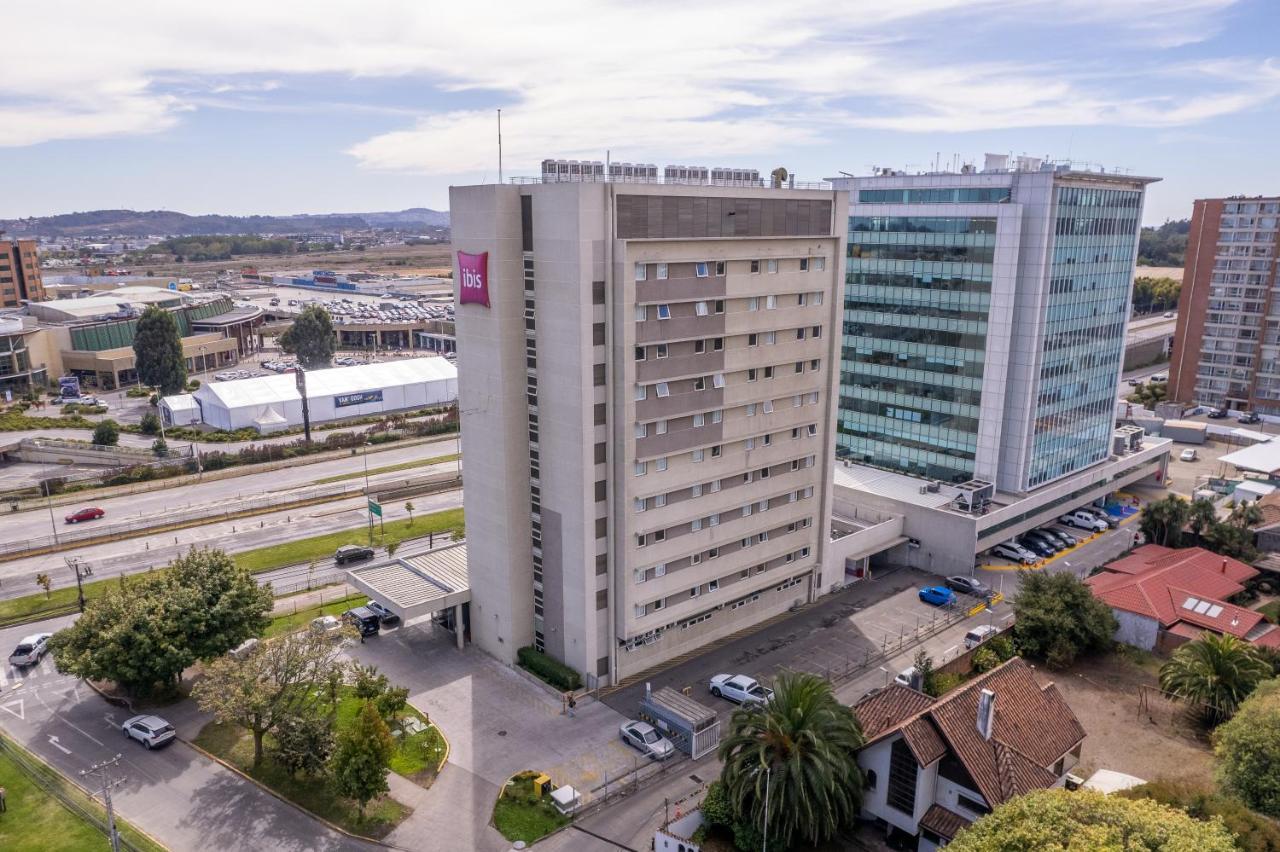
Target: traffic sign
[[375, 508]]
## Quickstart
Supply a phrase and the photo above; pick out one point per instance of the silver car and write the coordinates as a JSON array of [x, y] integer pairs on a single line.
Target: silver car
[[643, 736], [151, 731], [30, 649]]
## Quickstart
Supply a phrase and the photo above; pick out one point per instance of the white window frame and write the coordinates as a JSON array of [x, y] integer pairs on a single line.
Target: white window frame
[[639, 611], [713, 586], [702, 309], [662, 389], [640, 574], [746, 511], [662, 272], [660, 464], [804, 264], [715, 486], [664, 311], [813, 430], [641, 468], [695, 524], [660, 427], [753, 304], [660, 570], [768, 406], [697, 456], [699, 420], [696, 490], [642, 393], [696, 559], [716, 452], [770, 302], [642, 271], [699, 347], [717, 416], [819, 264], [713, 520], [642, 430], [721, 268], [770, 338], [641, 353], [751, 409], [717, 379], [642, 313], [701, 270], [751, 443], [755, 267], [660, 350], [771, 266], [800, 299], [640, 505], [817, 298], [659, 500]]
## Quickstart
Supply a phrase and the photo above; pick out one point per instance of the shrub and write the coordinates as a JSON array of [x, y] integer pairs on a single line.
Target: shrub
[[193, 385], [945, 682], [150, 424], [1253, 833], [384, 437], [1002, 647], [984, 660], [549, 669], [106, 433]]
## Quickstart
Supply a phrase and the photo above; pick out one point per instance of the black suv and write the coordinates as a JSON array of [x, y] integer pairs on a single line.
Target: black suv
[[352, 553], [1251, 417], [363, 619]]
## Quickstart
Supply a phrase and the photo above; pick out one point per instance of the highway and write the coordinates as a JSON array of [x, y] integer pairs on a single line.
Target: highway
[[1149, 327]]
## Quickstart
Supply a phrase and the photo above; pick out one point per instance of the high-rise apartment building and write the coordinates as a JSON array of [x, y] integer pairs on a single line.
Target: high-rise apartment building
[[1226, 346], [646, 378], [984, 320], [20, 279]]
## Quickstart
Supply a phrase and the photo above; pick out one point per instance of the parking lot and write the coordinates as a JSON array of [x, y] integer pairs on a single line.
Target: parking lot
[[1128, 510]]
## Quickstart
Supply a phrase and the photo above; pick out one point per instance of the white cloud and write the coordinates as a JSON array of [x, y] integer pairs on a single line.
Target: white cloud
[[709, 80]]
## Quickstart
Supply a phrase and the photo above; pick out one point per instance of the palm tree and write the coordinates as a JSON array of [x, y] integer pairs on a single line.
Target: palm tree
[[801, 748], [1203, 516], [1216, 671], [1245, 515], [1163, 520]]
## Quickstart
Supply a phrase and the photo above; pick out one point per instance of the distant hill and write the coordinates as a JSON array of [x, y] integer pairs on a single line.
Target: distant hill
[[138, 223]]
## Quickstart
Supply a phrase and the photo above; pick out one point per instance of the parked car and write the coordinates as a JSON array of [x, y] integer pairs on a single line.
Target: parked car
[[905, 676], [1103, 515], [1217, 414], [352, 553], [1187, 455], [1036, 546], [937, 595], [90, 513], [386, 616], [978, 635], [969, 586], [642, 736], [1251, 417], [244, 649], [326, 625], [151, 731], [363, 619], [1135, 383], [1169, 315], [1159, 377], [1016, 552], [1070, 539], [1040, 538], [1080, 519], [1060, 539], [30, 649], [740, 689]]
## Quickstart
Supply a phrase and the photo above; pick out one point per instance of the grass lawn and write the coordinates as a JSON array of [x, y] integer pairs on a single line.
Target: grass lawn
[[37, 821], [519, 814], [390, 468], [1271, 611], [322, 546], [290, 622], [415, 758]]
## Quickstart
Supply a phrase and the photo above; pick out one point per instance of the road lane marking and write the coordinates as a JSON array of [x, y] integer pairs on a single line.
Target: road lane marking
[[53, 741], [21, 712], [76, 727]]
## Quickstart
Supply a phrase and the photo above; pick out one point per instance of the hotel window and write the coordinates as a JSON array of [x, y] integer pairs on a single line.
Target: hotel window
[[768, 406], [660, 570], [660, 464], [755, 267], [642, 468], [719, 268], [701, 309], [717, 344], [804, 264], [700, 383], [699, 421], [768, 372], [718, 380], [717, 416], [641, 313], [663, 389], [820, 263], [753, 304], [662, 272], [699, 347], [716, 452], [700, 269], [770, 302], [659, 501], [641, 271], [751, 409], [770, 338], [660, 427], [640, 504], [753, 340], [771, 266], [639, 353], [697, 456], [642, 430], [664, 312], [642, 392]]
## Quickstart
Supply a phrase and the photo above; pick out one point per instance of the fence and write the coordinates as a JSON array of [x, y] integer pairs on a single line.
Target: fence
[[71, 797]]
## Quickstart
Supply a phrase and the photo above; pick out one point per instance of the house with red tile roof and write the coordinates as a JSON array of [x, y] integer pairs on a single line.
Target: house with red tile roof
[[933, 765], [1163, 597]]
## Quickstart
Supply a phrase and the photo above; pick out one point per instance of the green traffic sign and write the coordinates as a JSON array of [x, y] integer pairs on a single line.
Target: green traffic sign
[[375, 508]]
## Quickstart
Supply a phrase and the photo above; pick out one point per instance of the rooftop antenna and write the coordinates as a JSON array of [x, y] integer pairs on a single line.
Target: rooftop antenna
[[499, 146]]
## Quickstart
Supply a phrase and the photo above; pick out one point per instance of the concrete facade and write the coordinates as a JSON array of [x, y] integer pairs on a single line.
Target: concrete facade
[[647, 410], [20, 279]]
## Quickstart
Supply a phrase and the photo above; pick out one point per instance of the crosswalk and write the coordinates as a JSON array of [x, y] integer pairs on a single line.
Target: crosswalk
[[14, 679]]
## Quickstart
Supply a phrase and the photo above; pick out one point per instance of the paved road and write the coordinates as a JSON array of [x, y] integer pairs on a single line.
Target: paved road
[[130, 556], [218, 495], [176, 794]]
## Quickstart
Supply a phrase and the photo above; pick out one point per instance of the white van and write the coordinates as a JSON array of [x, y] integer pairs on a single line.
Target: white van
[[978, 635]]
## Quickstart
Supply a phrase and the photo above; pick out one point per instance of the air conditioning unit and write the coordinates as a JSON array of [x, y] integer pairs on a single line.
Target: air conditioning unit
[[935, 486], [1073, 782]]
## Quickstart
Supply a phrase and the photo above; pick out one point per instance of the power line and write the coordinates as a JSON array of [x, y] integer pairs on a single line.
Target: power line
[[104, 772]]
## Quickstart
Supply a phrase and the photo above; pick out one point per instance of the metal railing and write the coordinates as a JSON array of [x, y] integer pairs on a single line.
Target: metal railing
[[763, 183]]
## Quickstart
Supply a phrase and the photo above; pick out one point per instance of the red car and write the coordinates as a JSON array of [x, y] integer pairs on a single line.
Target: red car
[[90, 514]]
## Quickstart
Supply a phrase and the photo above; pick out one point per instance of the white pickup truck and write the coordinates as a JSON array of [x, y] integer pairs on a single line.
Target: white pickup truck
[[740, 689]]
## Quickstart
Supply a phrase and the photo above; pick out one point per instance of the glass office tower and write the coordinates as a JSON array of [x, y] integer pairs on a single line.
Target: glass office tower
[[984, 321]]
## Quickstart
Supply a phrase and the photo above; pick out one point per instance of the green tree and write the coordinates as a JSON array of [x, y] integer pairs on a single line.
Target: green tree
[[160, 447], [281, 679], [1215, 671], [1202, 516], [1058, 618], [304, 743], [221, 604], [311, 338], [106, 433], [1247, 748], [362, 758], [802, 745], [923, 665], [1150, 394], [1253, 832], [1058, 820], [1244, 514], [157, 351], [1163, 520], [408, 507], [150, 424], [45, 582], [369, 685], [1231, 540]]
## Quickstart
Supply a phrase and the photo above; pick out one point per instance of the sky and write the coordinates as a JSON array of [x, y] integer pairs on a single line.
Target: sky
[[277, 106]]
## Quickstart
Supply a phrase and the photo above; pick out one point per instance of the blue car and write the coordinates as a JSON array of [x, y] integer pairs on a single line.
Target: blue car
[[937, 595]]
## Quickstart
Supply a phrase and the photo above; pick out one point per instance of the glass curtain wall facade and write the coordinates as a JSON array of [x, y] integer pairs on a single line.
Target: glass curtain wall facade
[[1095, 236], [917, 302]]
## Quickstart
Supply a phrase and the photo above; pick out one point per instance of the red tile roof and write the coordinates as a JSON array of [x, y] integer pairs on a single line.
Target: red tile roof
[[1158, 582], [888, 707], [1033, 728], [943, 821]]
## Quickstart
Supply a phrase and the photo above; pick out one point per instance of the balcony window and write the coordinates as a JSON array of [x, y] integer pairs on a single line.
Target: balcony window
[[660, 427], [641, 271], [804, 264], [755, 267], [663, 389], [771, 266], [662, 272], [664, 312], [700, 269], [701, 309], [642, 392], [660, 350], [640, 354]]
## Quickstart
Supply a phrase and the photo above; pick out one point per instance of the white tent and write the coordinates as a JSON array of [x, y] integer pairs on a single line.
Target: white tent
[[180, 410], [1261, 458], [270, 421], [332, 394]]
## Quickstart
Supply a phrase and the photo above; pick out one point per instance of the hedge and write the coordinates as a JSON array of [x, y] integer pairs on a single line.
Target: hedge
[[551, 670]]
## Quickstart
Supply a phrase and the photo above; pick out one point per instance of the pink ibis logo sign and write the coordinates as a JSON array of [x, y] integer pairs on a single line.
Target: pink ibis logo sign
[[473, 280]]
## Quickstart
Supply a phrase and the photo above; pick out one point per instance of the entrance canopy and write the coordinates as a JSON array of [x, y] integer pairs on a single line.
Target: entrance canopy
[[420, 586]]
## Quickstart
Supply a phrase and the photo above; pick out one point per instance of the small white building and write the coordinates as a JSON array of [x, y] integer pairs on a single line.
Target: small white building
[[272, 403]]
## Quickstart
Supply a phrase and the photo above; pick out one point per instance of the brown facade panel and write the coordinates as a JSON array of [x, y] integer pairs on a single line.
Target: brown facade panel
[[695, 217], [1202, 246]]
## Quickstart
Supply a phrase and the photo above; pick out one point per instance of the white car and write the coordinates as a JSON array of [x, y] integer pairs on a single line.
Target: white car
[[326, 625], [642, 736], [1081, 519], [1016, 552], [30, 649], [151, 731], [904, 677], [740, 689], [1187, 455]]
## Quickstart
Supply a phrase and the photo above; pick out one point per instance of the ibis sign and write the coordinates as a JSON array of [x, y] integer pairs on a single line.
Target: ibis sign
[[473, 278]]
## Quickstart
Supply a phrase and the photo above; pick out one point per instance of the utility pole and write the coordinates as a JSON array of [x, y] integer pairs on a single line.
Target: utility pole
[[103, 771], [48, 500], [300, 376], [74, 563]]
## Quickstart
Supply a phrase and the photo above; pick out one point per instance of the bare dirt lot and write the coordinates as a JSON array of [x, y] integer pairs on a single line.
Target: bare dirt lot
[[1153, 742]]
